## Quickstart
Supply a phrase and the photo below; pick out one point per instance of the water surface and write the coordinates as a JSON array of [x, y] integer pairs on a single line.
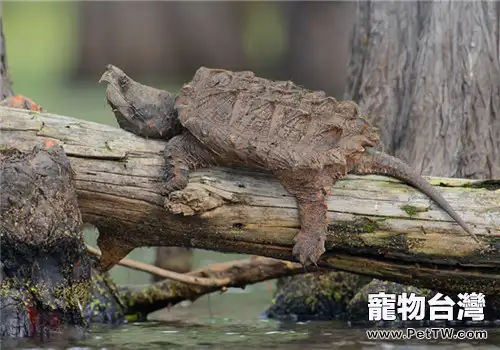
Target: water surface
[[233, 321]]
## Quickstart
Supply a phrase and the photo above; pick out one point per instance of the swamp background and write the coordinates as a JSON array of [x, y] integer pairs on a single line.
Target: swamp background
[[58, 50]]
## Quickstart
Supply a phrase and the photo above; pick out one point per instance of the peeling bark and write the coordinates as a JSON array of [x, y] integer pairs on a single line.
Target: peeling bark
[[383, 228]]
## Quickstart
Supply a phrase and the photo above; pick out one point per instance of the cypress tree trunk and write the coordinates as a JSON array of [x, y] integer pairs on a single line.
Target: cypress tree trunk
[[428, 74]]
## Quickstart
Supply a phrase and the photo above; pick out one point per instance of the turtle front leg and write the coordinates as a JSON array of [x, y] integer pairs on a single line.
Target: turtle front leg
[[184, 153], [311, 195]]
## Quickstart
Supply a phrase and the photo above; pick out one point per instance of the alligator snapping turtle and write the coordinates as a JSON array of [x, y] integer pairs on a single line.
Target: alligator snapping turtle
[[305, 138]]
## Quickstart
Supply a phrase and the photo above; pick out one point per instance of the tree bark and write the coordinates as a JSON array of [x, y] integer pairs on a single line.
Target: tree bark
[[5, 83], [382, 228], [429, 75]]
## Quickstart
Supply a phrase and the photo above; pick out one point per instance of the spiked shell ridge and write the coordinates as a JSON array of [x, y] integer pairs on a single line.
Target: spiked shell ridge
[[271, 124]]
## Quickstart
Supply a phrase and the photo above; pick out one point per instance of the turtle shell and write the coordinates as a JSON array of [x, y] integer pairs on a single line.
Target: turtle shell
[[273, 125]]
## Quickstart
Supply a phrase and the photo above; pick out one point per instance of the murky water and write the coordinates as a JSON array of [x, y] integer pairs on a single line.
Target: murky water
[[232, 321], [231, 334]]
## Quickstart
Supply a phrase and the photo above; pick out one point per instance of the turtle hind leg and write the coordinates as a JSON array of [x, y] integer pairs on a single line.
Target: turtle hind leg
[[310, 243], [184, 153], [311, 193]]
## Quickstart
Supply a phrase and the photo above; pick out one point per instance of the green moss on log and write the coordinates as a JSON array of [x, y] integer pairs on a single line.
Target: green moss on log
[[411, 210], [361, 225], [490, 185]]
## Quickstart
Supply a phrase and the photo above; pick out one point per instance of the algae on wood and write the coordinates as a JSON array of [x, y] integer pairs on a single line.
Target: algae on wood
[[118, 182]]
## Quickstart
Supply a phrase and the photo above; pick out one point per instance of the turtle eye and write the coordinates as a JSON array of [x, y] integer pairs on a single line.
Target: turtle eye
[[123, 82]]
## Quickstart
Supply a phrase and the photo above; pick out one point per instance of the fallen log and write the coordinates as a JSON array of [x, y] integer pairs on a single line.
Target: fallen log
[[383, 228], [166, 274], [149, 298]]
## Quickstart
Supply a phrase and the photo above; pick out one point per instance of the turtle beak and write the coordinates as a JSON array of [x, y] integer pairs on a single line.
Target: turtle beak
[[111, 74], [105, 77]]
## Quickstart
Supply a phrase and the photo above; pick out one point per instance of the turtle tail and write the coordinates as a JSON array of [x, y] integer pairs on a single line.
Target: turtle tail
[[375, 162]]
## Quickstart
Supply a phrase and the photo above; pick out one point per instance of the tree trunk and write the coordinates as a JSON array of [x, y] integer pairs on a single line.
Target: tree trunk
[[429, 75], [5, 84], [382, 226]]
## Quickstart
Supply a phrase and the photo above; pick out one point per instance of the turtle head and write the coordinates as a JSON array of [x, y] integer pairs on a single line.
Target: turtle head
[[140, 109]]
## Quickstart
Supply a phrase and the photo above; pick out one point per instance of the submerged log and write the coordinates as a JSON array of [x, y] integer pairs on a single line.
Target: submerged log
[[383, 228]]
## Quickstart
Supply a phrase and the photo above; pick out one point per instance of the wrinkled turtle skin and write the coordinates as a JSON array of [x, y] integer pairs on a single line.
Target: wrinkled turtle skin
[[44, 286], [306, 139], [343, 296]]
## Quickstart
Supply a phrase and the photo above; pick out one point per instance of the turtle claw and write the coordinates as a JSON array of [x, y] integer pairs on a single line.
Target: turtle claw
[[176, 181], [309, 248]]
